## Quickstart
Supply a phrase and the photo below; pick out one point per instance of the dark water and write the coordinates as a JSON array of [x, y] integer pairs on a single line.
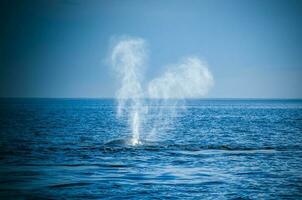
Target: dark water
[[217, 149]]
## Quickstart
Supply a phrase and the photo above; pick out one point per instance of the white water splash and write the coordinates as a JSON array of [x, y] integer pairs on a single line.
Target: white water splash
[[188, 79]]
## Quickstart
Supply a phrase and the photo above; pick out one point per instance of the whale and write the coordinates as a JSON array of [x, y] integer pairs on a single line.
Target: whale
[[121, 142]]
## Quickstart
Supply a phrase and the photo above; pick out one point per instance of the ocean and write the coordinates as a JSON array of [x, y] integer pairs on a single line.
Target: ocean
[[212, 149]]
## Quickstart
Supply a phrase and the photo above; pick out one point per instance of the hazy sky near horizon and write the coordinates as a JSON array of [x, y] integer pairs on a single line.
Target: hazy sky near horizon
[[58, 48]]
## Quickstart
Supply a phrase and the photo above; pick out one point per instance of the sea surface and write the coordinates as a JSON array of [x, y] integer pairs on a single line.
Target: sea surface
[[213, 149]]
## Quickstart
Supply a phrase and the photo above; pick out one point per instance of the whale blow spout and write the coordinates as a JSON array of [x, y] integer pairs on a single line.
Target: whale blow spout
[[128, 60], [165, 94], [135, 128]]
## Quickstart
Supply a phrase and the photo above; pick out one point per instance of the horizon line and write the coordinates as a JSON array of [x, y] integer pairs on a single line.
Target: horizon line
[[201, 98]]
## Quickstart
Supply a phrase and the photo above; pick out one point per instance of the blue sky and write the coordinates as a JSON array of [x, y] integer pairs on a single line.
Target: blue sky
[[58, 48]]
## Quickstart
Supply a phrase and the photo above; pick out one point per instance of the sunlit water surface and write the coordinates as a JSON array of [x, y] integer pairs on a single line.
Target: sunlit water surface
[[216, 149]]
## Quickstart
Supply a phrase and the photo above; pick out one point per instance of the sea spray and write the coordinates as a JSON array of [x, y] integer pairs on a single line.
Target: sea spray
[[190, 78], [128, 59]]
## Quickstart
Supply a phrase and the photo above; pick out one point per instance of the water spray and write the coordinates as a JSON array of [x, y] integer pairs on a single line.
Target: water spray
[[190, 78]]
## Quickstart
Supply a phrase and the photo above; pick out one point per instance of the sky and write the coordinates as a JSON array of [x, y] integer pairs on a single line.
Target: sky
[[58, 48]]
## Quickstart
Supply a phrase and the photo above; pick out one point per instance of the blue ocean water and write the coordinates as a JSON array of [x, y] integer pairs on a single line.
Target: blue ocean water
[[216, 149]]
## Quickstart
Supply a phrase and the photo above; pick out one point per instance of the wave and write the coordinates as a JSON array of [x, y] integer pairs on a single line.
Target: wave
[[124, 145]]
